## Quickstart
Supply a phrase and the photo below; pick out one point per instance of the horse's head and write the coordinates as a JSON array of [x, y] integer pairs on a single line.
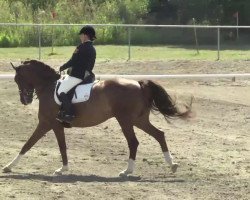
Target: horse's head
[[25, 86], [32, 75]]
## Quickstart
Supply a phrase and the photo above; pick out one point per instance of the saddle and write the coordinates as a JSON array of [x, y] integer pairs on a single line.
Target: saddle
[[79, 93]]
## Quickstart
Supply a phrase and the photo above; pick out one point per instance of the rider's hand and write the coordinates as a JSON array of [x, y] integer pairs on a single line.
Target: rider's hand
[[61, 68]]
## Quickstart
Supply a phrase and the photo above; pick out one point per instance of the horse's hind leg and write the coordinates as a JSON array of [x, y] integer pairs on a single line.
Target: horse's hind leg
[[40, 131], [128, 131], [145, 125]]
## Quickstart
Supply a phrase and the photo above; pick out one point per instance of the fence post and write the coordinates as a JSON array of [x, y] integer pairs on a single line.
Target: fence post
[[218, 43], [195, 37], [39, 42], [129, 43]]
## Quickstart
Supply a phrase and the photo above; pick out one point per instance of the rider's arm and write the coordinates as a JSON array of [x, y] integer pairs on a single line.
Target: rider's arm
[[86, 57], [72, 61], [66, 65]]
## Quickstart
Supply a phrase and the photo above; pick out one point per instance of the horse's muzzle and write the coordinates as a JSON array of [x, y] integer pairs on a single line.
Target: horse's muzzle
[[26, 97], [25, 100]]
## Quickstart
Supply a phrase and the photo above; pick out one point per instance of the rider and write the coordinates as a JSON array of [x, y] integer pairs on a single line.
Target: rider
[[81, 63]]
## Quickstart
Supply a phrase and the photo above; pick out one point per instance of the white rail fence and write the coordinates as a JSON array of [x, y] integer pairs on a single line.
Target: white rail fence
[[169, 76], [129, 27]]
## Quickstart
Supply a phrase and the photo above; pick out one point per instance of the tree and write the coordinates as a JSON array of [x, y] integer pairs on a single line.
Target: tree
[[36, 5], [15, 9]]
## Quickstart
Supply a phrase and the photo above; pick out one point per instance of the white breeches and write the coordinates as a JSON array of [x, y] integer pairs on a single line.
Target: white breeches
[[68, 83]]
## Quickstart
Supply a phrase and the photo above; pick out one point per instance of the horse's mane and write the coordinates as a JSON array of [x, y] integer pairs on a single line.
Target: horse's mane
[[42, 69], [38, 64]]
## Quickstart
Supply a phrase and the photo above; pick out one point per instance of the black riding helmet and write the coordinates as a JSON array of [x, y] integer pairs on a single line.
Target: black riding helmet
[[88, 30]]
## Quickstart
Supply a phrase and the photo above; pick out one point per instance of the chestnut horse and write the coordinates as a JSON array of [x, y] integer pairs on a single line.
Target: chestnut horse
[[129, 101]]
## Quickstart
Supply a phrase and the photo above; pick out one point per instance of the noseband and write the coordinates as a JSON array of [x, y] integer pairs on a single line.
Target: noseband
[[27, 93]]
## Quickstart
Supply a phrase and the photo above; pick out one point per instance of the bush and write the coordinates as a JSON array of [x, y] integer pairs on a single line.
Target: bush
[[68, 36], [4, 41]]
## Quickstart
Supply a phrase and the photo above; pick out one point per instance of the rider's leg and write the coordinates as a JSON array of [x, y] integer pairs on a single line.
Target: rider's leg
[[68, 83], [66, 104], [67, 112]]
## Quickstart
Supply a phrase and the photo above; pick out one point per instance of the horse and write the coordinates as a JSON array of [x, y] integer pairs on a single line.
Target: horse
[[129, 101]]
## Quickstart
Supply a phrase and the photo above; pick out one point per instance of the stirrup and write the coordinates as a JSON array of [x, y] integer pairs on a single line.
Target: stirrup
[[62, 117]]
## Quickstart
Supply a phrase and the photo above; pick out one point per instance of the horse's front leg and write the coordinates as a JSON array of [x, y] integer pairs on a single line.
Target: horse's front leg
[[41, 130], [60, 136]]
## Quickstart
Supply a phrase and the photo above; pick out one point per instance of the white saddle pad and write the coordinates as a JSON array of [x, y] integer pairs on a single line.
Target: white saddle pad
[[82, 93]]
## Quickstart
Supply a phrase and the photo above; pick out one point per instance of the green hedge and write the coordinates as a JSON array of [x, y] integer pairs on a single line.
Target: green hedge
[[68, 36]]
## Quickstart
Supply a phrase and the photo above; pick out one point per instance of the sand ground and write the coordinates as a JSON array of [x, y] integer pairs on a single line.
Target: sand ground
[[213, 149]]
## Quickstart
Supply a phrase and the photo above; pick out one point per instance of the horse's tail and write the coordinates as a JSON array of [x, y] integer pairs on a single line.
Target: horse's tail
[[159, 100]]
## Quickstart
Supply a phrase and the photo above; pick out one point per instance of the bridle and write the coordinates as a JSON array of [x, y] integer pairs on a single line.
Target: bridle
[[31, 93], [27, 93]]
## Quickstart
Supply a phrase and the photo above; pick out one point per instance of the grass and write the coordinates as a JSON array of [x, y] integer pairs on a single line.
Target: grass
[[116, 53]]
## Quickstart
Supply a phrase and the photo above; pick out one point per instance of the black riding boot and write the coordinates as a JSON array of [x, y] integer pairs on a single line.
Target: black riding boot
[[66, 113]]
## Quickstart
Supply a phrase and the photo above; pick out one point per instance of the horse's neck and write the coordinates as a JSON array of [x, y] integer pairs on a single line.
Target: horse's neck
[[45, 91]]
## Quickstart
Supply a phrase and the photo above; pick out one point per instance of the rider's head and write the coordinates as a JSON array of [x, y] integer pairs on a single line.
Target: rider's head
[[87, 33]]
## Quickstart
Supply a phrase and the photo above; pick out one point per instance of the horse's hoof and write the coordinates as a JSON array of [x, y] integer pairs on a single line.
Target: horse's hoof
[[61, 170], [6, 170], [124, 173], [174, 167], [57, 173]]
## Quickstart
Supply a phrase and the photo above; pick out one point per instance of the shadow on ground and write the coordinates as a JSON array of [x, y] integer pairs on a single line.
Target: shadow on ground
[[71, 178]]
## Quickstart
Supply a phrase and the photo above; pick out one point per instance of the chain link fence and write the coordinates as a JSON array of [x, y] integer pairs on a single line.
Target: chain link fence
[[42, 36]]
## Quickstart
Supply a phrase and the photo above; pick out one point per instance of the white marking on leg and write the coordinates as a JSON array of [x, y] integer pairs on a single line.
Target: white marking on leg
[[130, 169], [62, 169], [131, 165], [13, 163], [168, 157], [169, 160]]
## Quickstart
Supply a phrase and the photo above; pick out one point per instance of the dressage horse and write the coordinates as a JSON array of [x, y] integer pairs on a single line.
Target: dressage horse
[[129, 101]]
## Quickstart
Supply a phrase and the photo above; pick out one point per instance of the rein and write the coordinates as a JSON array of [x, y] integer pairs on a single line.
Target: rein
[[35, 95]]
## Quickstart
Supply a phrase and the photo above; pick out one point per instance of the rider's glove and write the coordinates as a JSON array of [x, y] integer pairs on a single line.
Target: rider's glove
[[61, 68]]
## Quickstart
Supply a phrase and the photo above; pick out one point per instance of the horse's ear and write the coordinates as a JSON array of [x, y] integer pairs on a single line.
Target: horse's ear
[[15, 68]]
